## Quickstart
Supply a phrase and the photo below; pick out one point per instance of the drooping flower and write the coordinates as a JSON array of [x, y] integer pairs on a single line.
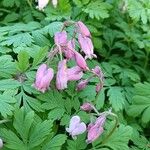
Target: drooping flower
[[94, 132], [82, 84], [96, 129], [1, 143], [80, 61], [43, 78], [99, 86], [76, 127], [55, 2], [74, 73], [61, 77], [86, 107], [83, 29], [60, 38], [86, 46], [69, 49], [42, 4]]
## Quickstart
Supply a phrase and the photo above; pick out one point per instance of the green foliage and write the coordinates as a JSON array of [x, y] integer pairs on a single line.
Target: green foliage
[[141, 102], [37, 121]]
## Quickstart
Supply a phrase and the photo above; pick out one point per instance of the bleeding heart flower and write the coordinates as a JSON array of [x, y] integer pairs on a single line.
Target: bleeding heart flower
[[76, 127], [42, 4], [96, 129], [80, 61], [83, 29], [43, 78], [97, 70], [81, 85], [61, 77], [60, 38], [86, 46], [74, 73]]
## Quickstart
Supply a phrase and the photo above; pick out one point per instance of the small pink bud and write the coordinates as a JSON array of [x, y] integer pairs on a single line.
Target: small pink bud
[[60, 38], [97, 70], [1, 143], [81, 85], [80, 61], [99, 86], [86, 107], [101, 120], [74, 73], [42, 4], [76, 127], [86, 46], [83, 29], [43, 78], [61, 77]]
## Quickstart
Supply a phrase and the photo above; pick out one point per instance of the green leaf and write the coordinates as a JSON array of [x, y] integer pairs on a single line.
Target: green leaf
[[23, 61], [120, 138], [22, 123], [97, 9], [9, 84], [18, 40], [39, 133], [141, 102], [6, 107], [62, 11], [12, 140], [40, 56], [55, 143], [116, 98]]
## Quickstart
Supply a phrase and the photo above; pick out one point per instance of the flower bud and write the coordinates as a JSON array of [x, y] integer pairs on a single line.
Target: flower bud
[[74, 73], [43, 78], [81, 85], [60, 38], [83, 29], [86, 107], [99, 86], [97, 70]]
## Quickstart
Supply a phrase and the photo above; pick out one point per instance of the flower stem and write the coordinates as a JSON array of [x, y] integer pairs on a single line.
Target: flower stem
[[112, 131], [4, 121]]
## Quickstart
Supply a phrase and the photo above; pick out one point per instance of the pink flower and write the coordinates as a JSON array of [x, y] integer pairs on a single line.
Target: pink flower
[[80, 61], [86, 107], [76, 127], [99, 86], [61, 77], [83, 29], [69, 49], [43, 78], [97, 70], [42, 4], [1, 143], [94, 132], [60, 38], [86, 46], [82, 84], [74, 73], [96, 129]]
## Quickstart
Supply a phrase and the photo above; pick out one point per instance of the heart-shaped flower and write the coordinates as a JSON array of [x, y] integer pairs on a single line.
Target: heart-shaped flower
[[76, 127]]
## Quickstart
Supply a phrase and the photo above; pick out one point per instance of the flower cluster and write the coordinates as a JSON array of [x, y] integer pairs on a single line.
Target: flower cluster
[[94, 129], [66, 48]]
